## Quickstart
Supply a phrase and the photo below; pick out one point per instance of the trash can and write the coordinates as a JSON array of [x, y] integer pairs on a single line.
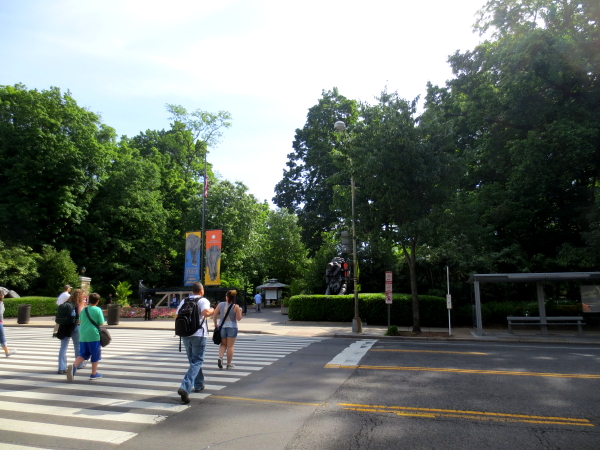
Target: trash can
[[114, 312], [24, 314]]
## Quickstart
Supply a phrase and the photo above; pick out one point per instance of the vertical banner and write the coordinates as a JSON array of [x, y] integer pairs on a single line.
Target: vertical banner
[[212, 276], [193, 255]]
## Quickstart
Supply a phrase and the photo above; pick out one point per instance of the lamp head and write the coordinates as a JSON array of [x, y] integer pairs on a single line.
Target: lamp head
[[339, 126]]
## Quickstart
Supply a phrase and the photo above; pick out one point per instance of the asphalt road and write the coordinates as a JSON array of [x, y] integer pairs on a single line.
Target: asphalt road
[[402, 395]]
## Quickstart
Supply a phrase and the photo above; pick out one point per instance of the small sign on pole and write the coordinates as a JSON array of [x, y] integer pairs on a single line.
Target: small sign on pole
[[388, 293]]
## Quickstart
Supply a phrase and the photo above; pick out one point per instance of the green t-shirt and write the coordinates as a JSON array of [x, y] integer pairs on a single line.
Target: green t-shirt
[[87, 331]]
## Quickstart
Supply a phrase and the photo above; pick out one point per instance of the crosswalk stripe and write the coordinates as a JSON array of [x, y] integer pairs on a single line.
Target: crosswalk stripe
[[103, 381], [66, 431], [14, 363], [95, 400], [80, 413], [158, 351], [87, 387], [129, 357], [20, 447], [38, 373]]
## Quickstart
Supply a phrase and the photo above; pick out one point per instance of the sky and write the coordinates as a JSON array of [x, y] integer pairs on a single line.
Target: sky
[[264, 61]]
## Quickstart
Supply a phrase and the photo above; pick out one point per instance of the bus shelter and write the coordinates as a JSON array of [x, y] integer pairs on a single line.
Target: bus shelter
[[538, 278]]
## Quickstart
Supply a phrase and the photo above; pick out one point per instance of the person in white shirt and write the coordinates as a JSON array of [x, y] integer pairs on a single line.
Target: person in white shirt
[[64, 296], [258, 301], [195, 346]]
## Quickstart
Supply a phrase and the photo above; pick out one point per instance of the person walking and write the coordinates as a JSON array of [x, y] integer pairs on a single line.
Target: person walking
[[147, 307], [68, 332], [258, 301], [64, 296], [230, 314], [89, 339], [195, 344], [7, 351]]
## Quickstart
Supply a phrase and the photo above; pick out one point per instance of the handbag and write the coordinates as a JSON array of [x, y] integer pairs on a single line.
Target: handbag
[[217, 333], [104, 334]]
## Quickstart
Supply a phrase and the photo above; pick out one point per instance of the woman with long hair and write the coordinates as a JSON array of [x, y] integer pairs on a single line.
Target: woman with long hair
[[229, 328], [77, 299]]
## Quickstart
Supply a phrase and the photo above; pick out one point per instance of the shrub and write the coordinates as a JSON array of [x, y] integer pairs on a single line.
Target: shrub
[[392, 331], [123, 291], [372, 309], [40, 306], [18, 267], [56, 270]]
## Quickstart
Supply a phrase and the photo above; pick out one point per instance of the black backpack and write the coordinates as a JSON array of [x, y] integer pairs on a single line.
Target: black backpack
[[64, 314], [188, 318]]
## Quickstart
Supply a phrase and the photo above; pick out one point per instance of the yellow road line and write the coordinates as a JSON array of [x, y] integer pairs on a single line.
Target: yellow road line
[[427, 351], [472, 415], [265, 401], [457, 411], [476, 371]]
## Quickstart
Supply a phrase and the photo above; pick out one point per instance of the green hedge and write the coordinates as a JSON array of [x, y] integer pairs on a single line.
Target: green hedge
[[372, 308], [433, 312], [40, 306]]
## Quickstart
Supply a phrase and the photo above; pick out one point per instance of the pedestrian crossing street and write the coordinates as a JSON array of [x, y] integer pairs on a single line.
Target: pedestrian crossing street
[[141, 372]]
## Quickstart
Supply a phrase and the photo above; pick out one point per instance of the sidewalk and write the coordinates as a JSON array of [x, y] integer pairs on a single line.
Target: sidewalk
[[271, 321]]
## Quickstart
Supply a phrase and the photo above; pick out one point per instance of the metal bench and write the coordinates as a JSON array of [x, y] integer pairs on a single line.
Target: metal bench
[[563, 320]]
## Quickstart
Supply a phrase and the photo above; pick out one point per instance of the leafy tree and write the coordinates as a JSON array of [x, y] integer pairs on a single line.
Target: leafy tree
[[127, 233], [56, 268], [285, 255], [306, 188], [191, 135], [403, 172], [525, 111], [18, 266], [54, 155]]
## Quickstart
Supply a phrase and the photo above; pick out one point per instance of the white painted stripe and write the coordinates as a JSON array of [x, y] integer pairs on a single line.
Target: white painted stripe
[[105, 365], [51, 367], [65, 431], [352, 354], [141, 360], [102, 381], [103, 401], [20, 447], [80, 413], [89, 387]]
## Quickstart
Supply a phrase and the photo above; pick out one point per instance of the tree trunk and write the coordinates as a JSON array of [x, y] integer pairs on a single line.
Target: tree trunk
[[412, 265]]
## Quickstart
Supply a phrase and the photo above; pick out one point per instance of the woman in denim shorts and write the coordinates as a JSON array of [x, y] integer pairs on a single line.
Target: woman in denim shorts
[[229, 329], [7, 351]]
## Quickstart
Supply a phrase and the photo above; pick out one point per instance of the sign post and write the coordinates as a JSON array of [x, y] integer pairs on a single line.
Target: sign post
[[448, 300], [388, 293]]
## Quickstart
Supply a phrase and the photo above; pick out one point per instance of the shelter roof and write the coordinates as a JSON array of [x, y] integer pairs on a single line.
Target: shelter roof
[[525, 277], [272, 284]]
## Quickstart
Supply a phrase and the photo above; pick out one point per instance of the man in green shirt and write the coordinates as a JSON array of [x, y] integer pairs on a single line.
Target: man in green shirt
[[89, 338]]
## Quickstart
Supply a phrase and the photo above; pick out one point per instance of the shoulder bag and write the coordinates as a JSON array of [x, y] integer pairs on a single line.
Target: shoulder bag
[[217, 331], [104, 334]]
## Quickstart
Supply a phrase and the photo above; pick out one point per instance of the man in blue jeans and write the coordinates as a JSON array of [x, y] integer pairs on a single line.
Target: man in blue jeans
[[194, 346]]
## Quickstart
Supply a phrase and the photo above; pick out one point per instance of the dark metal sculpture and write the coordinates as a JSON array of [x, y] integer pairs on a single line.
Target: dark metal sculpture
[[336, 276]]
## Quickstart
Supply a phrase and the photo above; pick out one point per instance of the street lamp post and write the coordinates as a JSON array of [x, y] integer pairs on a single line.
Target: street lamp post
[[356, 322]]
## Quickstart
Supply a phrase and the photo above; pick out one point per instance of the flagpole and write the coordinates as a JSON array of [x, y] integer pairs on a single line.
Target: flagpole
[[203, 248]]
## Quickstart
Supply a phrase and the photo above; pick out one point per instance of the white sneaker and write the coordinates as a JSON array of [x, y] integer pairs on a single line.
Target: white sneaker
[[230, 366], [10, 352]]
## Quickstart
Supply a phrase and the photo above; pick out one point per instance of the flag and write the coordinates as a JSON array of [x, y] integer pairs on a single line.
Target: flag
[[205, 187]]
